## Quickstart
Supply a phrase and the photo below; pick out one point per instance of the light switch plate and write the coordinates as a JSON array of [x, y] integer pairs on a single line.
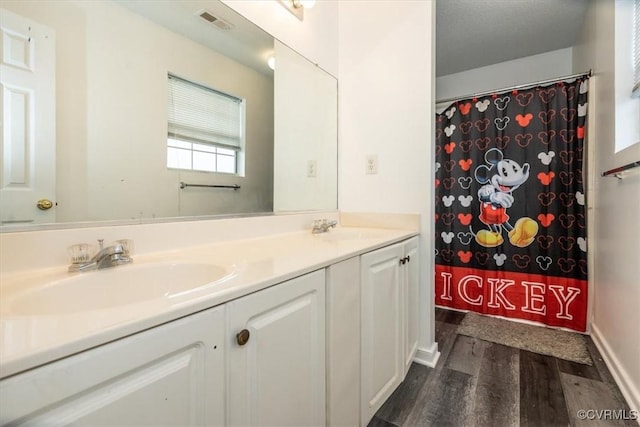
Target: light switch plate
[[312, 168], [371, 165]]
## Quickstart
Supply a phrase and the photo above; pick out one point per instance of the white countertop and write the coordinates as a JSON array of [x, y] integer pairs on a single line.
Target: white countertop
[[30, 340]]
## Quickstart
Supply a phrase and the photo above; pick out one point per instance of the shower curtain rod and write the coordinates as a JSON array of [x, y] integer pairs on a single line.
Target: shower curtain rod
[[506, 89]]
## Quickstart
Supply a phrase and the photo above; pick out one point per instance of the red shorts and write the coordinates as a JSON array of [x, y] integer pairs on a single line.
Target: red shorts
[[492, 215]]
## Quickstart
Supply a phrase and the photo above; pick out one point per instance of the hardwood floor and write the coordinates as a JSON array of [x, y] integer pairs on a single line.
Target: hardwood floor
[[479, 383]]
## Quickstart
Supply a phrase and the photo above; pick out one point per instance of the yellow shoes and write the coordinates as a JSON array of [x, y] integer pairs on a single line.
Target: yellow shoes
[[523, 233], [489, 239]]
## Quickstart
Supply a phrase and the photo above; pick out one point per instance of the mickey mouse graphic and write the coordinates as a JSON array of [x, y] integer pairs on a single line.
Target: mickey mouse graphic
[[499, 178]]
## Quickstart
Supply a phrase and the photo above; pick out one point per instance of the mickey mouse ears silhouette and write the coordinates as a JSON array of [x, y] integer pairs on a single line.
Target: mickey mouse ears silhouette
[[483, 172]]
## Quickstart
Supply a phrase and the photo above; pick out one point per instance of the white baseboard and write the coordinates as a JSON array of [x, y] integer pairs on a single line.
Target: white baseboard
[[629, 390], [428, 357]]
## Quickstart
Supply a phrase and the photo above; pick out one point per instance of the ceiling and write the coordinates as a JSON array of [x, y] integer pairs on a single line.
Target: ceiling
[[476, 33], [244, 42]]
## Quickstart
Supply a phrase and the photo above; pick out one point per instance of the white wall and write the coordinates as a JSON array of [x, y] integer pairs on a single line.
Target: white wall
[[386, 96], [615, 211], [525, 70], [305, 130], [112, 113]]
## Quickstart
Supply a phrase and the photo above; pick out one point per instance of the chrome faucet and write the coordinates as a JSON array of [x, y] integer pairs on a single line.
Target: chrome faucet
[[110, 256], [322, 225]]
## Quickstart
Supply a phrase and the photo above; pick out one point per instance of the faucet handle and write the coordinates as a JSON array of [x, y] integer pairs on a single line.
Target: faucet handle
[[127, 245], [79, 253]]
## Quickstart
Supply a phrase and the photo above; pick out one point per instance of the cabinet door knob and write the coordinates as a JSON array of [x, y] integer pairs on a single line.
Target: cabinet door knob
[[402, 261], [243, 337], [408, 258]]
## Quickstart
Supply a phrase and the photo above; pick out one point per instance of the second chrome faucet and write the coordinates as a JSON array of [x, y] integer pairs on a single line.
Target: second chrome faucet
[[322, 225]]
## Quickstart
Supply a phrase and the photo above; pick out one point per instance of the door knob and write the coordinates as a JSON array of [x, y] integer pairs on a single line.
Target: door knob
[[44, 204], [242, 337]]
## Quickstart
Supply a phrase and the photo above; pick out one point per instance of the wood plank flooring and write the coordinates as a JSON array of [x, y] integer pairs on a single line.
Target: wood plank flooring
[[478, 383]]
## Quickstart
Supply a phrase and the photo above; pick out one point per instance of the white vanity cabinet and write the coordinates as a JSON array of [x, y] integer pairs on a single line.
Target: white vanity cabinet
[[276, 355], [389, 289], [325, 348], [172, 374], [257, 360], [273, 342]]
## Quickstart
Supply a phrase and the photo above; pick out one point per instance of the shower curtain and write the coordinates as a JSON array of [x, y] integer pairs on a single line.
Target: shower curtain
[[510, 205]]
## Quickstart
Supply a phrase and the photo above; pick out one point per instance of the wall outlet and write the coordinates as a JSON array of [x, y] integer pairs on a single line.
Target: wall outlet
[[371, 165], [312, 168]]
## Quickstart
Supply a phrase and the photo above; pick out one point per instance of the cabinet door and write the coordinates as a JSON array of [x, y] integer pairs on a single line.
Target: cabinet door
[[382, 332], [169, 375], [278, 376], [410, 278]]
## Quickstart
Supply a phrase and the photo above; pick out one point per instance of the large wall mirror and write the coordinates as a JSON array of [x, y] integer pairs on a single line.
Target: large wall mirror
[[97, 124]]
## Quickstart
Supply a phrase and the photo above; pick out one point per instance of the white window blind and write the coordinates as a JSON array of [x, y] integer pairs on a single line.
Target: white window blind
[[203, 115], [636, 48]]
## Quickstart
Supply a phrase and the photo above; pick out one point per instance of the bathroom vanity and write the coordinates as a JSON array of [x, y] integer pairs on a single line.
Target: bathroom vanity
[[293, 329]]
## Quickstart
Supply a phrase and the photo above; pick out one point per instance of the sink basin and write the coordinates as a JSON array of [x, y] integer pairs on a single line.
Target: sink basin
[[112, 288], [346, 233]]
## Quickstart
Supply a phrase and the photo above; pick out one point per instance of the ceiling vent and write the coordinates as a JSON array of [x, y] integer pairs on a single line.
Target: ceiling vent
[[212, 19]]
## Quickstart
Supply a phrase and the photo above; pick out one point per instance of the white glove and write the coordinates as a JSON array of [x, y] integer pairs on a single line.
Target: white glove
[[485, 192], [503, 199]]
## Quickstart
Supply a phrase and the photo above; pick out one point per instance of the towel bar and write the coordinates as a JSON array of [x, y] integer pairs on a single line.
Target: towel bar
[[185, 185], [619, 170]]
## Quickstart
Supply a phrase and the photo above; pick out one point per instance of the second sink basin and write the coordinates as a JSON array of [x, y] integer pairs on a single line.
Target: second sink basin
[[112, 288], [351, 233]]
